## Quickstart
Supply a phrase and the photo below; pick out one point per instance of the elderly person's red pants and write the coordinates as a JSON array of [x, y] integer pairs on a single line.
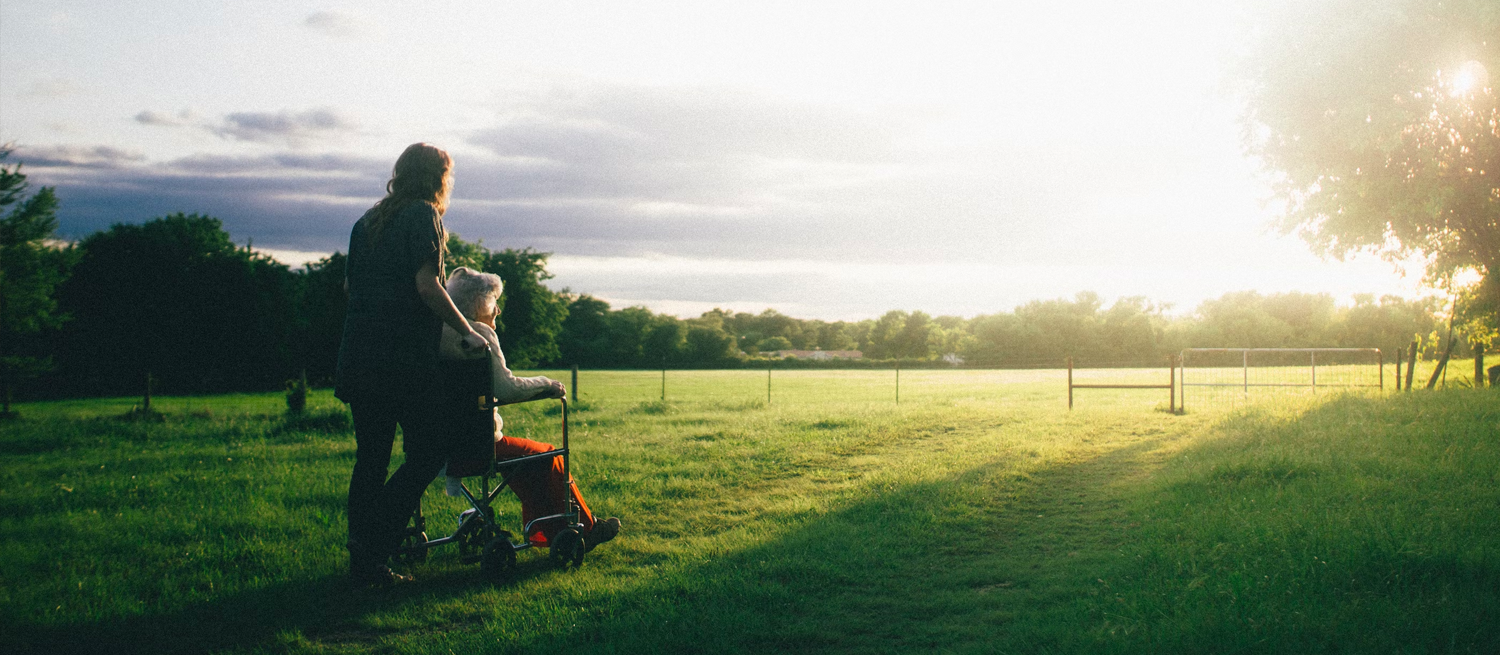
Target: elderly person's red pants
[[543, 490]]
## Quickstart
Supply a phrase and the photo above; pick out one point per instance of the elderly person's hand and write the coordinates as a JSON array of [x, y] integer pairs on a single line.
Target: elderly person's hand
[[555, 390]]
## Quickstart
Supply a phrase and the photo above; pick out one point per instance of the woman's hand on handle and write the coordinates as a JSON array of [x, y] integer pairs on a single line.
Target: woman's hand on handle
[[472, 343]]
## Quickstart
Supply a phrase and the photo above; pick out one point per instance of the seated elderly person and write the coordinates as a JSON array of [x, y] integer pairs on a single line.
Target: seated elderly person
[[542, 490]]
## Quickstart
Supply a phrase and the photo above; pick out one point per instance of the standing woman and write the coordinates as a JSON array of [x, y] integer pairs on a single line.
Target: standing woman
[[388, 355]]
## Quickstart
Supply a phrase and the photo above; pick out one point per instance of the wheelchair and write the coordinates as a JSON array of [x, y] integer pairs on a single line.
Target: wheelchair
[[467, 409]]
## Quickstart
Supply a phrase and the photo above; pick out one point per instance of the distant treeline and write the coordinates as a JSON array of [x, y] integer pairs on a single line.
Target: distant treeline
[[175, 297]]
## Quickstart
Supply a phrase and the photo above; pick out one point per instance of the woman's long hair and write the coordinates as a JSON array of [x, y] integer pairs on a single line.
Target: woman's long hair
[[423, 173]]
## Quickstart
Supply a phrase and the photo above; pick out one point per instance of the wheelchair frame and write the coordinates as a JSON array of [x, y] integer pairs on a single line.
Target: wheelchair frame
[[479, 535]]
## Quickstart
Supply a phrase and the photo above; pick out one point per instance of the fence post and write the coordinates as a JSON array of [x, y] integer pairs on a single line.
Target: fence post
[[1478, 366], [1380, 359], [768, 383], [1070, 383], [1172, 384], [664, 384], [1245, 364], [898, 382], [574, 386], [1400, 355], [1182, 361], [1442, 366], [1411, 362]]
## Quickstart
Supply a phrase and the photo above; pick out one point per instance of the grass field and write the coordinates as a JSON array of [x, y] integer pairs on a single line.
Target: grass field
[[978, 515]]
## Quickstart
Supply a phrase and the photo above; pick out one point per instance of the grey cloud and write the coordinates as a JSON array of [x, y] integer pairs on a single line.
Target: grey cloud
[[290, 201], [75, 156], [150, 117], [52, 88], [283, 126], [628, 171], [279, 164], [334, 23], [674, 145]]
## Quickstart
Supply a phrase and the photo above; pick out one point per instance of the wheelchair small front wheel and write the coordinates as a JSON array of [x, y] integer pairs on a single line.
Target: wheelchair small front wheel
[[498, 559], [567, 547]]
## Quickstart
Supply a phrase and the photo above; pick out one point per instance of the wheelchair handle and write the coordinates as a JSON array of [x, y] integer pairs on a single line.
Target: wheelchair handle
[[567, 471]]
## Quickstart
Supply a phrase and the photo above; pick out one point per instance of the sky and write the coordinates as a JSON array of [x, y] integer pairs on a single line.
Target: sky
[[830, 160]]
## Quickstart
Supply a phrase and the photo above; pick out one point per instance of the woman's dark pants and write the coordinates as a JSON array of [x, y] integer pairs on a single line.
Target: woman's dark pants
[[379, 508]]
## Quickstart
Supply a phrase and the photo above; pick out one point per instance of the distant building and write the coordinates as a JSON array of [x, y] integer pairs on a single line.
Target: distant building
[[815, 354], [954, 359]]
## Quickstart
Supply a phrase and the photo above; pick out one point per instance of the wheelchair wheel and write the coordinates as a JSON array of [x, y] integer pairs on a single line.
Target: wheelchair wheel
[[498, 559], [567, 547], [413, 549], [471, 546]]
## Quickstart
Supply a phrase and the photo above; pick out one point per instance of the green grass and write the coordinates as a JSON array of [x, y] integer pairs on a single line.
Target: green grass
[[978, 515]]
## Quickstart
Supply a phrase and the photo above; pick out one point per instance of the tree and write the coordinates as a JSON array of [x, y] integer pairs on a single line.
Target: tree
[[773, 344], [1057, 329], [709, 344], [1381, 125], [176, 298], [883, 339], [663, 342], [30, 269], [1131, 329], [1389, 324], [835, 336], [627, 336], [584, 340], [323, 303], [913, 340]]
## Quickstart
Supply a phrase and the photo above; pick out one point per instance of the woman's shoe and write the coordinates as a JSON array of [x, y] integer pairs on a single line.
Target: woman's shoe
[[366, 570], [379, 575], [601, 532]]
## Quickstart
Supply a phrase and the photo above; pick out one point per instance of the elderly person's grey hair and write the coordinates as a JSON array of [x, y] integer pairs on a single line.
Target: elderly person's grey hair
[[472, 290]]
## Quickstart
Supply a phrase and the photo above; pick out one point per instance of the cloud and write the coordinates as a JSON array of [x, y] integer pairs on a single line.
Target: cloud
[[285, 201], [52, 88], [699, 173], [292, 128], [629, 171], [150, 117], [76, 156], [284, 126], [634, 170], [336, 23]]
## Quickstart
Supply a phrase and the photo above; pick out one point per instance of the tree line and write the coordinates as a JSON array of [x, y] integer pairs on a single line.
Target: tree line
[[176, 298]]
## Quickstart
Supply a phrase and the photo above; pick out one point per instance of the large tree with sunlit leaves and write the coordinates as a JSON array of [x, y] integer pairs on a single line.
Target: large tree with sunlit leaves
[[1380, 124]]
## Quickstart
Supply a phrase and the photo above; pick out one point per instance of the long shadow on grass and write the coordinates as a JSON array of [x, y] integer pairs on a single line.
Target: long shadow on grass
[[936, 563], [1051, 565], [992, 555], [326, 607]]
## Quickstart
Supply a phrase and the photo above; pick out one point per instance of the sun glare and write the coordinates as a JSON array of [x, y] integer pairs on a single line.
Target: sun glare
[[1472, 76]]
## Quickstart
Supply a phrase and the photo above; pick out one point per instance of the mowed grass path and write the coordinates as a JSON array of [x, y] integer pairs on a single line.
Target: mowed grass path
[[977, 516]]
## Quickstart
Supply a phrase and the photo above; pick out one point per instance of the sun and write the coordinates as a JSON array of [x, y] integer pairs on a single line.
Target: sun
[[1471, 76]]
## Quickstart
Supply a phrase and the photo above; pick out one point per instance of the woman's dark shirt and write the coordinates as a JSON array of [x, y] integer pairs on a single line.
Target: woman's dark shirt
[[390, 344]]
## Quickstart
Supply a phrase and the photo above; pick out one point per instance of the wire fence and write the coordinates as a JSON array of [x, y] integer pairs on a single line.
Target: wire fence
[[894, 386], [1237, 375]]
